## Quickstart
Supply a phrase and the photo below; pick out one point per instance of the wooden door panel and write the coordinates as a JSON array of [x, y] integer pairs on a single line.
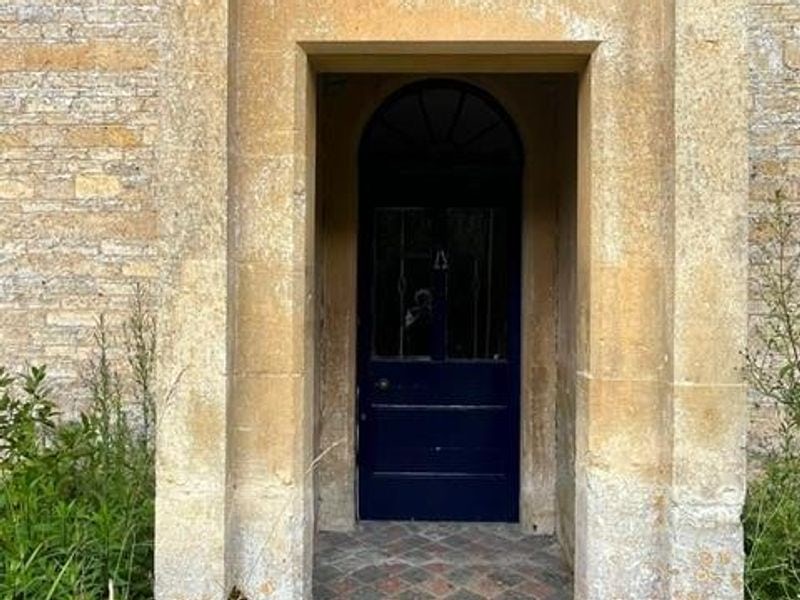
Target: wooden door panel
[[438, 339]]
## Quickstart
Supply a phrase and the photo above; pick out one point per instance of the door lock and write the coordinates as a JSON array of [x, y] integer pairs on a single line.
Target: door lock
[[382, 384]]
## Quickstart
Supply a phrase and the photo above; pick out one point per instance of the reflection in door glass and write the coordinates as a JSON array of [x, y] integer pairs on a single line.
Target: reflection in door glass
[[402, 291], [477, 285]]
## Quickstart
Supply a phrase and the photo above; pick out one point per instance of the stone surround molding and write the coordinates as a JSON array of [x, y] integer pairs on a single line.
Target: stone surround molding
[[660, 260]]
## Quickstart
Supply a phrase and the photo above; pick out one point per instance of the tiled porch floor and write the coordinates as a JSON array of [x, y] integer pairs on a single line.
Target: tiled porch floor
[[456, 561]]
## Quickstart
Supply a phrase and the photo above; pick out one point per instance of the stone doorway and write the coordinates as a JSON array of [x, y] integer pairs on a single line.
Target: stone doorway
[[653, 491]]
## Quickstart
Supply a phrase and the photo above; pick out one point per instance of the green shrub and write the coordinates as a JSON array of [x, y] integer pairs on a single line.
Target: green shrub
[[772, 532], [77, 498], [771, 515]]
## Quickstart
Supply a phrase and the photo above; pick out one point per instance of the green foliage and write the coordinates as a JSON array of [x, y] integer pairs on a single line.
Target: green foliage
[[772, 363], [77, 498], [772, 511], [772, 532]]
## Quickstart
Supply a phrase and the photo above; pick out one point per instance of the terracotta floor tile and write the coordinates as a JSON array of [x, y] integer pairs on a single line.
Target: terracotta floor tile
[[450, 561], [439, 587]]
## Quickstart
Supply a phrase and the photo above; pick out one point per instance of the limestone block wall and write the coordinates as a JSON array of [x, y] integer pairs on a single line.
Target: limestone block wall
[[78, 126], [774, 27], [80, 117], [79, 110]]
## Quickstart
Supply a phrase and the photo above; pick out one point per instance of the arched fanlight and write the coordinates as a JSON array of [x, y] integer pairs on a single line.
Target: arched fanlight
[[440, 124]]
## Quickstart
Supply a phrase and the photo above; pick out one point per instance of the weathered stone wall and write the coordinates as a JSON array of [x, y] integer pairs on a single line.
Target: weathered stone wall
[[79, 106], [78, 126], [80, 110], [79, 221], [566, 330], [774, 136]]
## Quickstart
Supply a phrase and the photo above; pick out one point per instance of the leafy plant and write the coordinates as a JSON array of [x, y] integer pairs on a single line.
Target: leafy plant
[[77, 498], [772, 532], [772, 511], [773, 362]]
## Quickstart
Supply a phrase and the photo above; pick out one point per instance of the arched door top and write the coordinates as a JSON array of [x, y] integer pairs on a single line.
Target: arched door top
[[440, 124]]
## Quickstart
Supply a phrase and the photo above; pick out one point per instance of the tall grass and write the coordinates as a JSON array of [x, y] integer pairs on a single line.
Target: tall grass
[[772, 512], [77, 498], [772, 532]]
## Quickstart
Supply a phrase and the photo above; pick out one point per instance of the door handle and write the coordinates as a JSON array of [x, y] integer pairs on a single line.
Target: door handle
[[382, 384]]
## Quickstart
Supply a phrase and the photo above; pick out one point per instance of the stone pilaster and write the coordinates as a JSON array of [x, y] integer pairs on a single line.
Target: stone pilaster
[[708, 412], [270, 433], [193, 219]]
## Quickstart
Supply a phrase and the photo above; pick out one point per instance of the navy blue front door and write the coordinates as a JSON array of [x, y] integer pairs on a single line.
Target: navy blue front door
[[438, 356]]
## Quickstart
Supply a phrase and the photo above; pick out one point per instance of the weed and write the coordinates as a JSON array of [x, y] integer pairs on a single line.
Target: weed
[[77, 498]]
